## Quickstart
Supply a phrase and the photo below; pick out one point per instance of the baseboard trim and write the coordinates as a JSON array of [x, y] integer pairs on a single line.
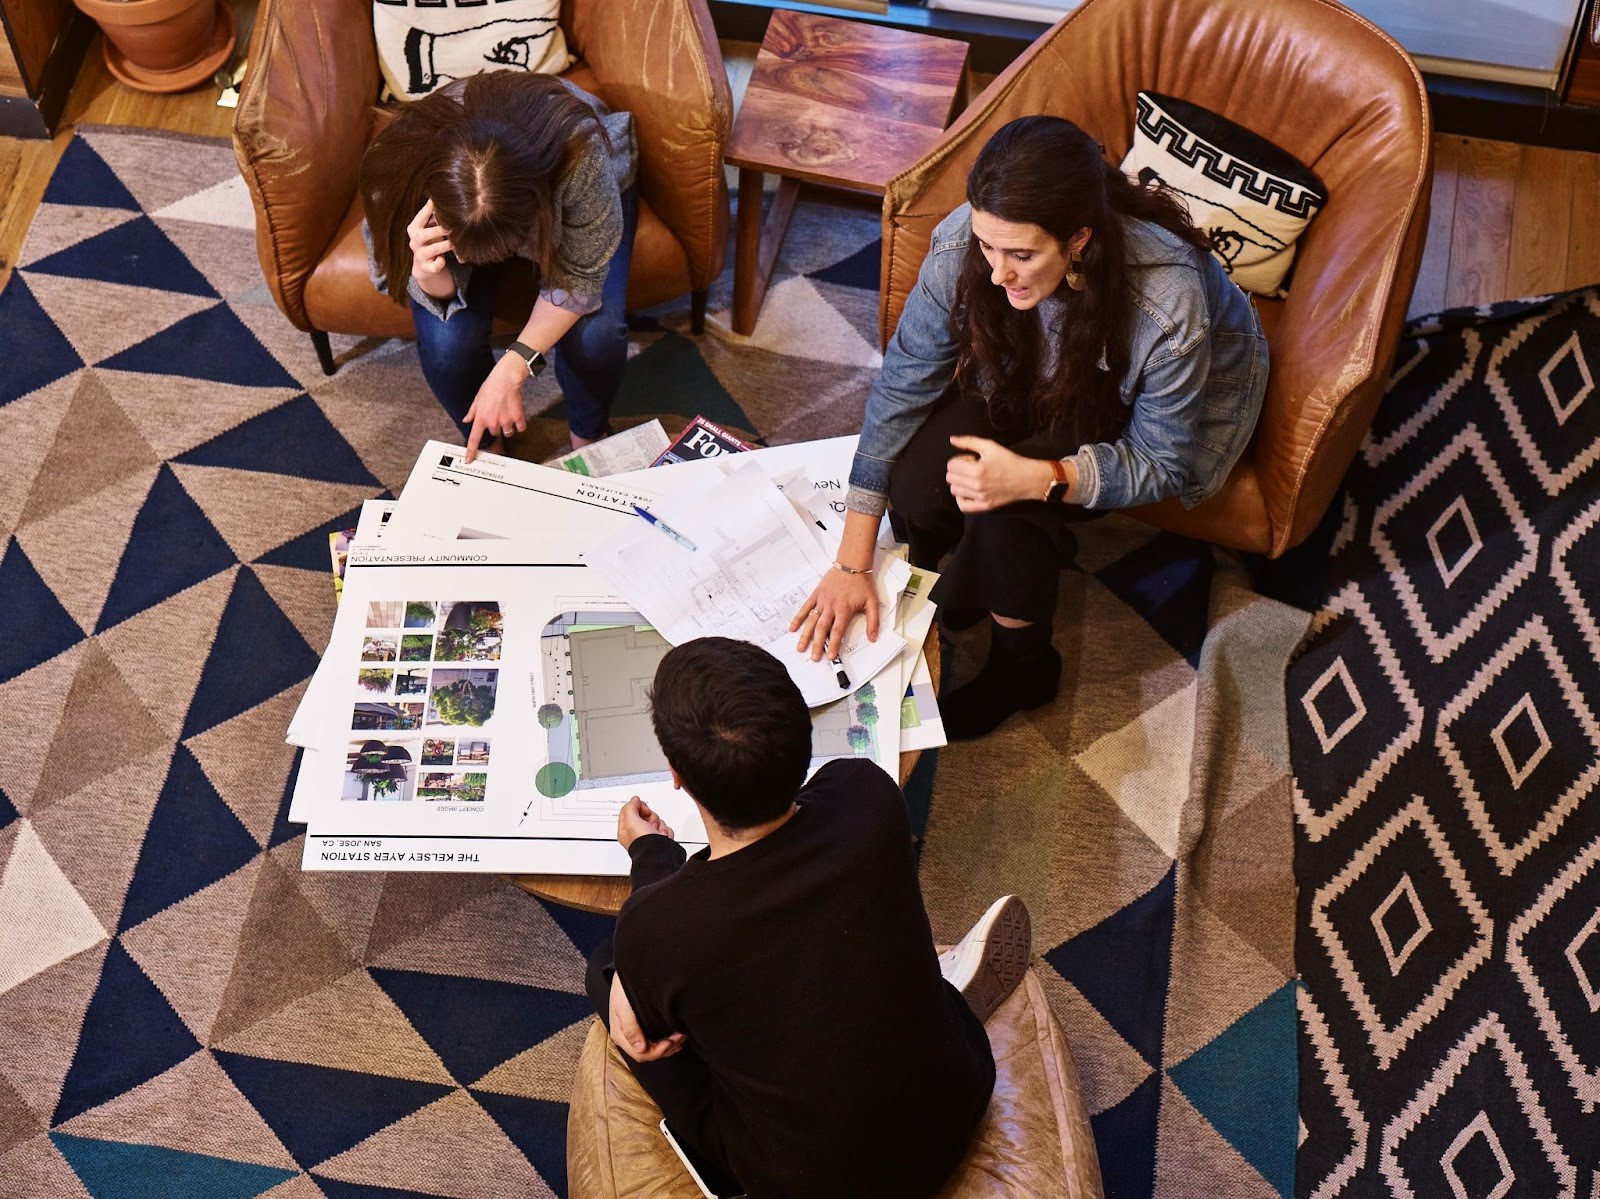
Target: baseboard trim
[[1467, 107], [1507, 113]]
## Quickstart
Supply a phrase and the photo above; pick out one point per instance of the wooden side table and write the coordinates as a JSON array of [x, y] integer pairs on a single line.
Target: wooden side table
[[596, 893], [839, 103]]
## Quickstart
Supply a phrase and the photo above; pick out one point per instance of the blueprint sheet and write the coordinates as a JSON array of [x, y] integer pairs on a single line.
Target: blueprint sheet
[[755, 560]]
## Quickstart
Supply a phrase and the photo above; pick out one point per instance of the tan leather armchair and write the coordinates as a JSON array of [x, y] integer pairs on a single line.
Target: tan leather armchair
[[1317, 80], [1034, 1141], [306, 114]]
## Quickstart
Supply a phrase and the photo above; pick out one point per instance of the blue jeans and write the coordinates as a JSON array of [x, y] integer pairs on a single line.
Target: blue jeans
[[588, 361]]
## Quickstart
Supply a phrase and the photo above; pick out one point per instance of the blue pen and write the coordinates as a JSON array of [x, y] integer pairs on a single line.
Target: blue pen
[[665, 528]]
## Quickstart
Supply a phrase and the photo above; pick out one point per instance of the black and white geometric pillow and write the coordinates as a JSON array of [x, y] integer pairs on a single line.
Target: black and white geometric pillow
[[1253, 198], [422, 46]]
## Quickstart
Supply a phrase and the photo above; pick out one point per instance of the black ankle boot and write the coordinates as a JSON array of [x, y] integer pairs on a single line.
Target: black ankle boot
[[1003, 687]]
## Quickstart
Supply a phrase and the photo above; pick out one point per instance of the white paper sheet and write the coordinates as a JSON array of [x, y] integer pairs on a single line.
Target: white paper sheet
[[524, 753], [554, 752], [536, 508], [373, 521], [560, 513], [753, 563], [860, 661], [755, 560], [631, 449]]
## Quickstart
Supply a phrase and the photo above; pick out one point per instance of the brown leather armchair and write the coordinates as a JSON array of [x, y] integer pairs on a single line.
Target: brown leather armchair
[[1034, 1141], [1317, 80], [306, 114]]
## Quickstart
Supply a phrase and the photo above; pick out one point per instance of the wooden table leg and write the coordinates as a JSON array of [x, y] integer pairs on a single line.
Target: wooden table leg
[[756, 245]]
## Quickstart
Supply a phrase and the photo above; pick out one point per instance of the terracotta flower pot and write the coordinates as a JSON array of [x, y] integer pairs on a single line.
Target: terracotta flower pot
[[163, 45]]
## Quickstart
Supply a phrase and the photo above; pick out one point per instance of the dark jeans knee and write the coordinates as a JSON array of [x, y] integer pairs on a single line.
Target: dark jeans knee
[[455, 353], [598, 342]]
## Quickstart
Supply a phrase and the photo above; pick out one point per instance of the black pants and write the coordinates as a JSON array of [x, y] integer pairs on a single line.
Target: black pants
[[680, 1086], [1007, 561]]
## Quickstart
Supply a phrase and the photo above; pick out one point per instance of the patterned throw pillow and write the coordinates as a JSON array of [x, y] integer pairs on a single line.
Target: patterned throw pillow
[[424, 44], [1252, 197]]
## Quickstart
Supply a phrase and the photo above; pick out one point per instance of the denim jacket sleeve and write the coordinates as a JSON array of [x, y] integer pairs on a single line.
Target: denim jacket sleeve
[[917, 367], [1151, 460]]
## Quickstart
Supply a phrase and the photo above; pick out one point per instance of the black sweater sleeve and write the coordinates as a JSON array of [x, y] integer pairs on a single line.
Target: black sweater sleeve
[[654, 858]]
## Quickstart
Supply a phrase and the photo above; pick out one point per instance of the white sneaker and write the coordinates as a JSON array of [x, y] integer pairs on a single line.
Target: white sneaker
[[987, 964]]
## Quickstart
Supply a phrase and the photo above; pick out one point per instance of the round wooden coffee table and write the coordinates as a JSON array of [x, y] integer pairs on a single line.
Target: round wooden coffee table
[[604, 894]]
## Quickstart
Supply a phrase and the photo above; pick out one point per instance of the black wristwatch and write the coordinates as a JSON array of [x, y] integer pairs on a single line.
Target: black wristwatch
[[528, 354], [1059, 487]]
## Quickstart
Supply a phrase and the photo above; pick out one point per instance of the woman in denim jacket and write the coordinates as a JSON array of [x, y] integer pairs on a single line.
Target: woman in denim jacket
[[1071, 347]]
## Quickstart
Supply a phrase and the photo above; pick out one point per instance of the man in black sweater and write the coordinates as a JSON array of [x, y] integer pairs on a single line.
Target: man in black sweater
[[778, 994]]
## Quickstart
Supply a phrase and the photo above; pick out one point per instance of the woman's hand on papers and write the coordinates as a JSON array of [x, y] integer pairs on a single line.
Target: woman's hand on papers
[[822, 620], [497, 411], [636, 820], [628, 1036]]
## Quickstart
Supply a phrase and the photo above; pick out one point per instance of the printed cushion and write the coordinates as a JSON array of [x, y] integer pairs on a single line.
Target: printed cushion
[[422, 46], [1253, 198]]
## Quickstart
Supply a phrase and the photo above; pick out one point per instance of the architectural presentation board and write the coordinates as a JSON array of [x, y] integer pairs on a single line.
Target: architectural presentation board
[[483, 700]]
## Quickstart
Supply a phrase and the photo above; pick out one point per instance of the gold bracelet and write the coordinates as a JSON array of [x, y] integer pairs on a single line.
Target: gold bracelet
[[850, 570]]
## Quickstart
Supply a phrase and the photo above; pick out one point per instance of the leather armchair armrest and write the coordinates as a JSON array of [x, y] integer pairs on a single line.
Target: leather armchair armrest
[[302, 125], [659, 60], [1339, 328]]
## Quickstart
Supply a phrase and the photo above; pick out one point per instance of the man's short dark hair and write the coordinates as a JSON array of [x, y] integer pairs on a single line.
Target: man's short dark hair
[[734, 726]]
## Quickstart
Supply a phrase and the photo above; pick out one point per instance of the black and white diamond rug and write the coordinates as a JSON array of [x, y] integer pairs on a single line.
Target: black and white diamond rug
[[1446, 746]]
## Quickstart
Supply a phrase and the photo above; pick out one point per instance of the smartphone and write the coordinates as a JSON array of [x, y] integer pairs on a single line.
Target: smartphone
[[688, 1163]]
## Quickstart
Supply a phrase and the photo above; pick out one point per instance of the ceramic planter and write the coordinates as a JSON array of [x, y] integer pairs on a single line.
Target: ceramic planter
[[163, 45]]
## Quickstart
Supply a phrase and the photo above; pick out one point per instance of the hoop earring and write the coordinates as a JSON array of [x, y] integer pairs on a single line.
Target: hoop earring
[[1074, 277]]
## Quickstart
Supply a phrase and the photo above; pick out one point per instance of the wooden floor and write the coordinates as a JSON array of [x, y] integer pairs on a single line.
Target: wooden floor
[[97, 99], [1506, 220]]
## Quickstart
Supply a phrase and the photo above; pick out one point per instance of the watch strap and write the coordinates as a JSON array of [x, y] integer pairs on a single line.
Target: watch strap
[[1059, 486], [534, 358]]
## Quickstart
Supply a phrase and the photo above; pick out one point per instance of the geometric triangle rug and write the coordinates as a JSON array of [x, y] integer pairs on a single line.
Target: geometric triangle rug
[[182, 1008]]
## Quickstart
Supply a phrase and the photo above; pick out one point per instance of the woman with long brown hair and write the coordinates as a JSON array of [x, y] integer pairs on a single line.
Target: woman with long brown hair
[[1070, 347], [497, 166]]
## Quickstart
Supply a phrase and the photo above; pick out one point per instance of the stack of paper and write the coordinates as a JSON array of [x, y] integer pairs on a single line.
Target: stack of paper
[[483, 700]]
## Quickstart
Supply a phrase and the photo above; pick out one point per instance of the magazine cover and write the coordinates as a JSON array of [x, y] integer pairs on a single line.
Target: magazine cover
[[699, 440]]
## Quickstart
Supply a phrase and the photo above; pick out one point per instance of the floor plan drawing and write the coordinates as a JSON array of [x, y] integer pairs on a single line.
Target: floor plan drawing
[[754, 561]]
